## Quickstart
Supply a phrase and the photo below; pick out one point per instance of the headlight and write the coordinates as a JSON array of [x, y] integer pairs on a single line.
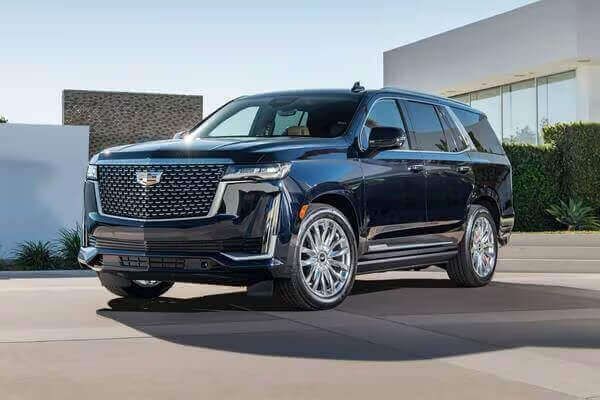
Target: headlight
[[256, 172], [92, 172]]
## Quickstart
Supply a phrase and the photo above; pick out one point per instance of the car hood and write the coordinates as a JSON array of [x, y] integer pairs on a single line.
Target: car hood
[[236, 150]]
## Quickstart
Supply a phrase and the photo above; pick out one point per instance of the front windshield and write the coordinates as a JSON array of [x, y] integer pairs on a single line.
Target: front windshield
[[314, 115]]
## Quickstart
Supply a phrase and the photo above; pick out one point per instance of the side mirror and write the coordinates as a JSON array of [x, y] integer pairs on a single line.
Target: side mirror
[[383, 137], [180, 135]]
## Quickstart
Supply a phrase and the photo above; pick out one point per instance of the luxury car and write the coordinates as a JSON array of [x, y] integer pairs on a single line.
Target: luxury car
[[296, 193]]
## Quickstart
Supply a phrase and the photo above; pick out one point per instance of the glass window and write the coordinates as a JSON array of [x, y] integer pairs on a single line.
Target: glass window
[[557, 99], [518, 113], [384, 113], [480, 131], [313, 115], [287, 119], [458, 141], [489, 102], [463, 98], [427, 127], [239, 124]]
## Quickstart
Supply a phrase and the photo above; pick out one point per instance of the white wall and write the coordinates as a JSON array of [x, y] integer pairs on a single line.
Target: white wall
[[542, 38], [41, 173], [588, 93]]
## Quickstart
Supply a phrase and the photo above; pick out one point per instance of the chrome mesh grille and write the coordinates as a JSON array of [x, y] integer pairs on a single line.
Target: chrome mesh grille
[[184, 191]]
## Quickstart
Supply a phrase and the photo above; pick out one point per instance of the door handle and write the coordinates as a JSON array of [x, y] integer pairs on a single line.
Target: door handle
[[464, 169], [416, 168]]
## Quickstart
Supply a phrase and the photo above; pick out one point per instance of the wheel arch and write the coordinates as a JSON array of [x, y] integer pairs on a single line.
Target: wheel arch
[[342, 203], [490, 202]]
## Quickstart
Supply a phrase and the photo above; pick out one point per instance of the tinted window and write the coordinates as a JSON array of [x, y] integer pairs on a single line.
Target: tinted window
[[427, 127], [384, 113], [480, 131], [457, 140]]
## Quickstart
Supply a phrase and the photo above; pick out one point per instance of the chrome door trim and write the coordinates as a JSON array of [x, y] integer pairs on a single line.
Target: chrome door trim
[[378, 248]]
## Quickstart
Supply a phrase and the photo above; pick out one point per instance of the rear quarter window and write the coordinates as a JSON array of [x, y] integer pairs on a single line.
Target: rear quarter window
[[480, 131]]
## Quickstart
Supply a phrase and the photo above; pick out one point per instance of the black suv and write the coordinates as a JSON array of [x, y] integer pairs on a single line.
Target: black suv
[[298, 192]]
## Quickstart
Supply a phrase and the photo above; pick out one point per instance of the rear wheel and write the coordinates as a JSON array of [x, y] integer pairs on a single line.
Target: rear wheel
[[475, 263], [122, 287], [325, 261]]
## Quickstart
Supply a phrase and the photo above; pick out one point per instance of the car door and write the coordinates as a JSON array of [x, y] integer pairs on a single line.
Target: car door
[[450, 180], [395, 185]]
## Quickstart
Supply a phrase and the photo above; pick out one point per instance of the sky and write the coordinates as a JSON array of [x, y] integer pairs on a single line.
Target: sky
[[218, 49]]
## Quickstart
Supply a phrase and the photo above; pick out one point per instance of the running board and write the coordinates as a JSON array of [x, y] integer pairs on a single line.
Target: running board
[[404, 262]]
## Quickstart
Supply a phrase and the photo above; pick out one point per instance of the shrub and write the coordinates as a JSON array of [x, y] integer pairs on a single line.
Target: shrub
[[578, 150], [534, 185], [3, 120], [34, 255], [68, 247], [575, 215]]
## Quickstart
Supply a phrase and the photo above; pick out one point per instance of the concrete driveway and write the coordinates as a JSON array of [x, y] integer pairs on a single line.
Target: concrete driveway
[[404, 335]]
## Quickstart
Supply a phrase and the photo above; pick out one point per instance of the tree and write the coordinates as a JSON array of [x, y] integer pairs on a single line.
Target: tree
[[3, 120]]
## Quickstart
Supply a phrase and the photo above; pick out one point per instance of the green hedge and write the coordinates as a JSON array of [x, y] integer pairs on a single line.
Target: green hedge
[[534, 186], [568, 166], [578, 149]]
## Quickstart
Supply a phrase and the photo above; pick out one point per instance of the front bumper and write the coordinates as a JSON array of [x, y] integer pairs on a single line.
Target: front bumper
[[159, 249]]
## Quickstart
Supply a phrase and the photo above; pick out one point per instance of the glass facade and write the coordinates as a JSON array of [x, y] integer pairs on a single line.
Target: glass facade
[[519, 111]]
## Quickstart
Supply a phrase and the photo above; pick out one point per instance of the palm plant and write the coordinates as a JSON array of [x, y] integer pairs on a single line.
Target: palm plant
[[35, 255], [575, 215], [69, 243]]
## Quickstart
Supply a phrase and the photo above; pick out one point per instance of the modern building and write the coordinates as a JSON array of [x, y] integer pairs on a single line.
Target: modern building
[[117, 118], [535, 65]]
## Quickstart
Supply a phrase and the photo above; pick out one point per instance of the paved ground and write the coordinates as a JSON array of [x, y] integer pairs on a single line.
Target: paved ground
[[409, 335], [551, 253]]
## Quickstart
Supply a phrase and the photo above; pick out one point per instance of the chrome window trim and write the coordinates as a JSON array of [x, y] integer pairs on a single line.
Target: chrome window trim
[[455, 120]]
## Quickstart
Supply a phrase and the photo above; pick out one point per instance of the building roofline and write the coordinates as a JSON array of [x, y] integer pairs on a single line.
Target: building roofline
[[469, 25]]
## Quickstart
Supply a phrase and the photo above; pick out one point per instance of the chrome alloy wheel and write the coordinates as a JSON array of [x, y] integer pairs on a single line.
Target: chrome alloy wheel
[[483, 247], [325, 258], [144, 283]]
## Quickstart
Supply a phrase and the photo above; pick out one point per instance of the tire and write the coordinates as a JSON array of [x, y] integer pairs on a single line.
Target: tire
[[297, 291], [463, 269], [123, 287]]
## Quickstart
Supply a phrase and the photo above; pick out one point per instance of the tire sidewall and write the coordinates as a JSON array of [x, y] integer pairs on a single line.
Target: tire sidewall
[[476, 212], [315, 213]]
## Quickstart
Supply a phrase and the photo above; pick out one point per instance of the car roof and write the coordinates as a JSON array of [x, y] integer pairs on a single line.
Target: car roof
[[386, 90]]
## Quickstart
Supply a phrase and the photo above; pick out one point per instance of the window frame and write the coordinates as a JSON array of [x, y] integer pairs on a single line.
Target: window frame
[[400, 100], [401, 111], [439, 117]]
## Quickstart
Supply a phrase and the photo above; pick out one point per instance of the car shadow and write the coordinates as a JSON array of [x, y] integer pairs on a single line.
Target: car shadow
[[382, 320]]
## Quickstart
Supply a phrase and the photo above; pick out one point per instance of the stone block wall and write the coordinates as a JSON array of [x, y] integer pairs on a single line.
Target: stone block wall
[[117, 118]]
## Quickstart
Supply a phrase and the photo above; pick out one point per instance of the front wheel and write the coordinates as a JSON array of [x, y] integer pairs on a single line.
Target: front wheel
[[325, 261], [123, 287], [477, 256]]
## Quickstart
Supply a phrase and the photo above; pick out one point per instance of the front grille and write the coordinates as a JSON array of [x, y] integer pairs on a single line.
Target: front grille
[[184, 191], [250, 245]]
